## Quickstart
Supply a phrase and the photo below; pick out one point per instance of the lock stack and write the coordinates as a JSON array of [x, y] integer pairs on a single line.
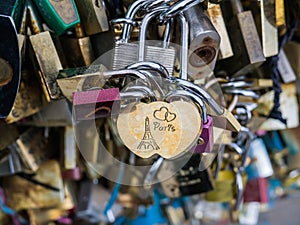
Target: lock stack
[[154, 112]]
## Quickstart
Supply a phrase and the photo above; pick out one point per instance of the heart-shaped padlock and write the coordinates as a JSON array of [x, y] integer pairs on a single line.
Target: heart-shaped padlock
[[166, 129]]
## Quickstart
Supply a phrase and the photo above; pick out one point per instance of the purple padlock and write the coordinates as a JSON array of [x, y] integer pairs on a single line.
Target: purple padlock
[[206, 137], [96, 103]]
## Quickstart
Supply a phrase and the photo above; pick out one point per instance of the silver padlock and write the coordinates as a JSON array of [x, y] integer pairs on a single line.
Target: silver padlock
[[122, 46], [204, 43], [142, 51], [163, 55]]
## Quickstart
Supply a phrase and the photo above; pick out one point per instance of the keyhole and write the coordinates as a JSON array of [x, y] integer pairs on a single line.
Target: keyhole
[[202, 56]]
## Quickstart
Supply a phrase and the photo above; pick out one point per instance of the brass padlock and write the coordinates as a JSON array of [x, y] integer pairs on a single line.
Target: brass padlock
[[44, 57], [80, 79], [215, 14], [30, 98], [59, 213], [280, 17], [47, 63], [78, 47], [269, 28], [9, 134], [246, 44], [33, 148], [55, 114], [23, 194], [93, 16], [223, 191]]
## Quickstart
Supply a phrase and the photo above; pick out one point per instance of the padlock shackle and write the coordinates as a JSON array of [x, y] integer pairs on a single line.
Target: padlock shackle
[[250, 138], [156, 3], [115, 74], [135, 94], [130, 14], [184, 46], [153, 172], [245, 109], [143, 30], [189, 86], [239, 189], [168, 33], [196, 99], [124, 21], [236, 148], [140, 88], [246, 93], [150, 65], [178, 8], [154, 82]]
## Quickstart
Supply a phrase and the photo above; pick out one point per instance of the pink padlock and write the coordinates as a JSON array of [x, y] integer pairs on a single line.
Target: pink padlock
[[206, 137], [72, 174], [96, 103]]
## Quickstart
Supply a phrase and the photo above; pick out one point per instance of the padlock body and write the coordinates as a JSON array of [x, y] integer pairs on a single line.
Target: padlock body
[[223, 191], [59, 15], [11, 63], [248, 53], [96, 103], [207, 137], [79, 50], [92, 16], [188, 181], [164, 56], [47, 63], [256, 190], [204, 42]]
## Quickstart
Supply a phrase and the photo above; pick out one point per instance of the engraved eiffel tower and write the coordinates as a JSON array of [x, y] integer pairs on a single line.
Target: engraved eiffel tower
[[148, 141]]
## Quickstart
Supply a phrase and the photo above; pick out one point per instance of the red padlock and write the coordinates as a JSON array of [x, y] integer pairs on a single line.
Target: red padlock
[[256, 190], [96, 103]]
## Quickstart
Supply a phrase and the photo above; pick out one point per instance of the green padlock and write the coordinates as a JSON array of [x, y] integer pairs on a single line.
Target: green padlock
[[60, 15]]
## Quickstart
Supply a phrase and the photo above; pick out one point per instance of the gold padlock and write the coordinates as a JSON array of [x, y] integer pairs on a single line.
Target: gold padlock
[[78, 48], [23, 194], [44, 56]]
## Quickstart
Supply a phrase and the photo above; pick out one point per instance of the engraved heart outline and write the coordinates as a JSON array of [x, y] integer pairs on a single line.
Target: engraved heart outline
[[168, 116]]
